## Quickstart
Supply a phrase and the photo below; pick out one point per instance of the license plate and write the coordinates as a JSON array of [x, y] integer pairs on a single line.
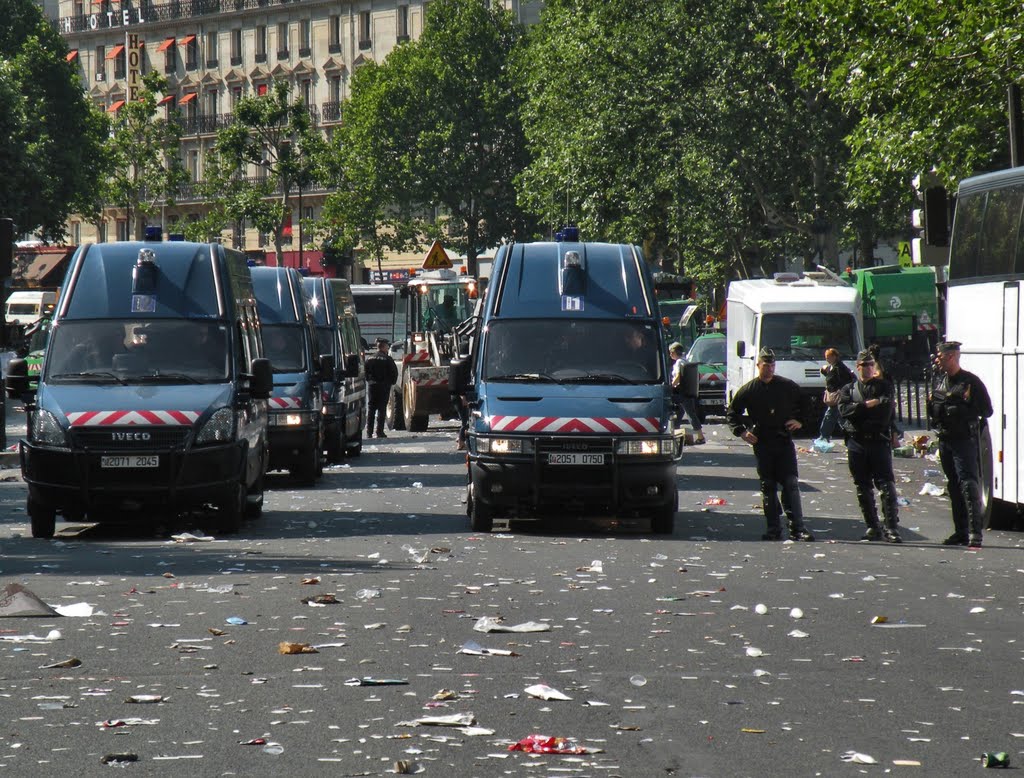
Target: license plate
[[710, 401], [130, 461], [575, 459]]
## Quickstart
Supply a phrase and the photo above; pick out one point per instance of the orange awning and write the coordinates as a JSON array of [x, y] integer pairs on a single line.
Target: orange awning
[[166, 99], [115, 106], [73, 54], [186, 40], [115, 51], [168, 42], [188, 98]]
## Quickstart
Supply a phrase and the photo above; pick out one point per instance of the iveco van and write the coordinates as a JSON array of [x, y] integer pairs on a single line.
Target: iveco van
[[568, 389], [290, 343], [153, 394], [345, 394]]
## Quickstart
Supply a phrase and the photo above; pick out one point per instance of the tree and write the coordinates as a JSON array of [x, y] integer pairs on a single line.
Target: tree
[[274, 137], [52, 151], [145, 156], [442, 124]]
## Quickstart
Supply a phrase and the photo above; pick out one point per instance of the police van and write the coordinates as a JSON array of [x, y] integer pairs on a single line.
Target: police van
[[153, 394], [568, 389], [290, 343], [344, 396]]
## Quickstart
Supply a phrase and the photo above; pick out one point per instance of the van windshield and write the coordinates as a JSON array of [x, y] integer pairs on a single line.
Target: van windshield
[[283, 346], [572, 351], [807, 335], [164, 350]]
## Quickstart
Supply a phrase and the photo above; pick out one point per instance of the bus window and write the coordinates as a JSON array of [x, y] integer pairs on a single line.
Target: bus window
[[963, 259], [999, 237]]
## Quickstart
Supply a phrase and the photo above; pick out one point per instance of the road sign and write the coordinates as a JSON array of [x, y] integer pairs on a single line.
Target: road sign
[[437, 258], [906, 258]]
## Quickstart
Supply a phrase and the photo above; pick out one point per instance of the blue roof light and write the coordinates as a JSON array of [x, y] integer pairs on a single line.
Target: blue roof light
[[154, 232]]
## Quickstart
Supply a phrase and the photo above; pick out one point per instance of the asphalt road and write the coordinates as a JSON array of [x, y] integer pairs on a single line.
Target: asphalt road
[[671, 665]]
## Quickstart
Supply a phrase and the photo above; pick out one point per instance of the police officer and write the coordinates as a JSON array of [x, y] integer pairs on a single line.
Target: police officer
[[765, 413], [866, 409], [679, 398], [381, 374], [956, 407]]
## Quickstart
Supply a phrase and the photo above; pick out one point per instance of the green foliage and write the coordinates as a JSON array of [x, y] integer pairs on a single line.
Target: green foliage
[[52, 160]]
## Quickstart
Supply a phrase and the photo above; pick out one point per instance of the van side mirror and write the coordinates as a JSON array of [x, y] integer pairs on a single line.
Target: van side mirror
[[261, 383], [741, 348], [16, 380], [459, 375], [352, 366], [327, 367]]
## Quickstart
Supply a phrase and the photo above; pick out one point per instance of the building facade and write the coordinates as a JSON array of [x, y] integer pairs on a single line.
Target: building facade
[[213, 53]]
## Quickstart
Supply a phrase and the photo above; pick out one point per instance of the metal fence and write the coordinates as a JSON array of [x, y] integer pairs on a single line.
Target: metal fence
[[912, 398]]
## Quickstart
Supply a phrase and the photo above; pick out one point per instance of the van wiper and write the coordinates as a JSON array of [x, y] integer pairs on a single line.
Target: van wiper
[[600, 378], [524, 377], [161, 376], [92, 374]]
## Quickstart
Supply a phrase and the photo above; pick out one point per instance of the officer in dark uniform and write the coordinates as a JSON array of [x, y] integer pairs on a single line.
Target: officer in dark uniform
[[381, 374], [765, 412], [866, 409], [956, 407]]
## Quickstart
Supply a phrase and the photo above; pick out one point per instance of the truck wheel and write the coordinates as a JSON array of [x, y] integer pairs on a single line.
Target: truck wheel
[[481, 517], [417, 423], [306, 471], [394, 415], [231, 513], [663, 522], [44, 519]]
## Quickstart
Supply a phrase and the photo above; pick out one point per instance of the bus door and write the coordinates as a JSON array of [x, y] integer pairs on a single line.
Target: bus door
[[1007, 468]]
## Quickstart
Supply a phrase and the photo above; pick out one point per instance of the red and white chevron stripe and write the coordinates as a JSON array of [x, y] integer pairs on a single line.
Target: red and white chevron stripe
[[284, 402], [430, 381], [553, 424], [417, 356], [129, 418], [713, 377]]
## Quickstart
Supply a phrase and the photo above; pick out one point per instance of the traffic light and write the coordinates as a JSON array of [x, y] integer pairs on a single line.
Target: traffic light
[[936, 216], [6, 247]]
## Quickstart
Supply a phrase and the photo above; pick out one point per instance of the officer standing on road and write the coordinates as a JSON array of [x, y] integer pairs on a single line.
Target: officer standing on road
[[381, 374], [956, 407], [837, 375], [688, 403], [765, 413], [866, 408]]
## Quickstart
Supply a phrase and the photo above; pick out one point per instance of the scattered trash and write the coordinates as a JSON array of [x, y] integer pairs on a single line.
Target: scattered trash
[[192, 537], [798, 633], [857, 758], [932, 490], [256, 741], [638, 680], [66, 663], [274, 749], [53, 634], [995, 759], [750, 731], [237, 621], [906, 452], [369, 681], [367, 594], [760, 609], [711, 501], [132, 722], [754, 652], [310, 581], [321, 599], [823, 446], [475, 649], [903, 502], [597, 566], [144, 699], [17, 601], [79, 610], [931, 473], [452, 720], [543, 744], [796, 613], [407, 767], [544, 692], [285, 647], [879, 619], [119, 758], [497, 624]]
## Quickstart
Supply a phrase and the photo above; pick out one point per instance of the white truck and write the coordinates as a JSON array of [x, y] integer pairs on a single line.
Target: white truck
[[798, 316], [25, 308]]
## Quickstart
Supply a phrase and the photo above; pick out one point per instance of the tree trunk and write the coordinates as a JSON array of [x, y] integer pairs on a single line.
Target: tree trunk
[[472, 229]]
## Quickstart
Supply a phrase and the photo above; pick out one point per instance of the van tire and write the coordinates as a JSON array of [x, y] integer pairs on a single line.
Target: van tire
[[355, 446], [393, 414], [481, 517], [663, 522], [44, 519], [335, 449], [231, 513], [306, 471], [254, 499]]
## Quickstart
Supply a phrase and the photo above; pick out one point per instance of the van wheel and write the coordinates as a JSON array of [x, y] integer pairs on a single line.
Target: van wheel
[[254, 499], [481, 517], [663, 522], [43, 517], [336, 449], [393, 414], [305, 471], [231, 513], [355, 447]]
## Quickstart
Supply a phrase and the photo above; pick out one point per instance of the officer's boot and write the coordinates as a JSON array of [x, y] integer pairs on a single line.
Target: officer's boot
[[866, 500], [890, 512], [975, 515]]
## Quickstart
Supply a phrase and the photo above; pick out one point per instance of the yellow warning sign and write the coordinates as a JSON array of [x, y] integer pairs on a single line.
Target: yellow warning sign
[[436, 258], [904, 254]]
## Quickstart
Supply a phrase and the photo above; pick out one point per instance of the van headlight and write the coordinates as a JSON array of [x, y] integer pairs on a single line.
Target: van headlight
[[502, 446], [646, 447], [292, 418], [219, 428], [46, 430]]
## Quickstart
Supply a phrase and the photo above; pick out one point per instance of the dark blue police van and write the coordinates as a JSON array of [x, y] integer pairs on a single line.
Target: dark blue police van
[[344, 396], [153, 396], [290, 343], [568, 389]]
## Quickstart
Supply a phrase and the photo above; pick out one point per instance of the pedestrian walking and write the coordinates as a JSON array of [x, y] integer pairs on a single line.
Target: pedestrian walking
[[765, 412], [687, 402], [956, 406], [866, 408], [837, 375], [381, 375]]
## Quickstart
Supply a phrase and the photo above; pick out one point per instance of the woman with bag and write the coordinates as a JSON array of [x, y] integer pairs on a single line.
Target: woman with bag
[[837, 375]]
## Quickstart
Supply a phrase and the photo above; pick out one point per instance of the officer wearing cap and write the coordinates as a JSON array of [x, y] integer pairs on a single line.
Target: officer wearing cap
[[381, 374], [956, 407], [687, 402], [866, 409], [765, 413]]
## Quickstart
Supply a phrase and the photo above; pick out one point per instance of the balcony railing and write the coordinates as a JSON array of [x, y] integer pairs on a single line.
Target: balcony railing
[[330, 111], [207, 124], [190, 191]]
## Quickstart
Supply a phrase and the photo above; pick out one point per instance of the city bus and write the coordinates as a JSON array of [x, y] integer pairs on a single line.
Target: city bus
[[984, 312]]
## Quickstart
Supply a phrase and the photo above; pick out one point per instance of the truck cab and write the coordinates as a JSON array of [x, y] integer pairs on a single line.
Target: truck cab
[[152, 397], [568, 389], [300, 371]]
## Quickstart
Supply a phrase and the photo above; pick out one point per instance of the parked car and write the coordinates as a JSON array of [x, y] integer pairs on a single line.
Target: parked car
[[708, 351]]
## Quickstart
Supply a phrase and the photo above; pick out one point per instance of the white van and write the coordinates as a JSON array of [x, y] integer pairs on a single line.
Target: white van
[[26, 308], [798, 317]]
